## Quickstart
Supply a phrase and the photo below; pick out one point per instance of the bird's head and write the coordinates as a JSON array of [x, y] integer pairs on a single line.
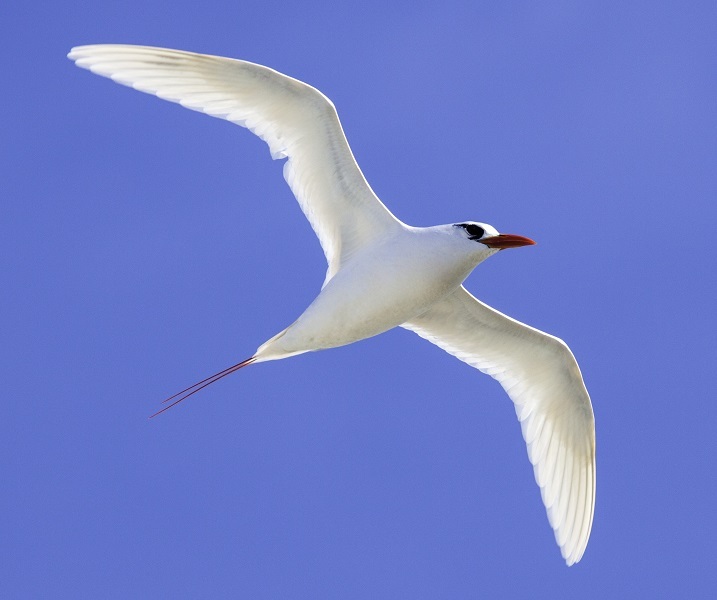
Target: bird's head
[[487, 235]]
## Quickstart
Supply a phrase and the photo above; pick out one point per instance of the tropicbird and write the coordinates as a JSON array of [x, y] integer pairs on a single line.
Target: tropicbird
[[383, 273]]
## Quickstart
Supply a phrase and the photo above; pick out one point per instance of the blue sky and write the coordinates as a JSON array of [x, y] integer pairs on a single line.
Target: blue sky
[[144, 246]]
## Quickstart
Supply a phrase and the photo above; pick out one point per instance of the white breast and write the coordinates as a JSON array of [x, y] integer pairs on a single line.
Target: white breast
[[379, 289]]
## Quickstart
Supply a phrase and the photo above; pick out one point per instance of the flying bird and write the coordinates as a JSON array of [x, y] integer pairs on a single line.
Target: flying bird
[[383, 273]]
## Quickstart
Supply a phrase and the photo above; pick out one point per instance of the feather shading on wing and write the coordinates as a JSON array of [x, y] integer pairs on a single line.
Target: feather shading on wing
[[541, 376]]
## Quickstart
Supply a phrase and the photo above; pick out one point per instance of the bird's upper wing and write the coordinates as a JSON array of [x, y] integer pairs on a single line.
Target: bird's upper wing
[[294, 119], [541, 376]]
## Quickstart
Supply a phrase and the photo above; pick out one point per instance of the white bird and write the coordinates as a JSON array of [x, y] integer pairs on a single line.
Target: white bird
[[383, 273]]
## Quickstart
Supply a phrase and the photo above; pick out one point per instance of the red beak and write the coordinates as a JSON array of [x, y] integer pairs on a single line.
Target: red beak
[[507, 240]]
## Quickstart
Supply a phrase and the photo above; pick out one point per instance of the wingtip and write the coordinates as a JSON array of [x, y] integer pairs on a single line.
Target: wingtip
[[76, 52], [573, 556]]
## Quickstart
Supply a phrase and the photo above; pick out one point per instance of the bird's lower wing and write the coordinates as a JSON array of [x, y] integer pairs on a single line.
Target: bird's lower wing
[[541, 376], [294, 119]]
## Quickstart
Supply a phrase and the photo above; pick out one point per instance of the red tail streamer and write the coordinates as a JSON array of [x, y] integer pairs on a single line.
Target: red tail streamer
[[193, 389]]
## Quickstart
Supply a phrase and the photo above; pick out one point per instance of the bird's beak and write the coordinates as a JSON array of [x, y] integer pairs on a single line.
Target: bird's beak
[[507, 240]]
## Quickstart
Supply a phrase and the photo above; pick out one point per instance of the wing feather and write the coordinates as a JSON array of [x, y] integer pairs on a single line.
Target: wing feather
[[541, 376], [293, 118]]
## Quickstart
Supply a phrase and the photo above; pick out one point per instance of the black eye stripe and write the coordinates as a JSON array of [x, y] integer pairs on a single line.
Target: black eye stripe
[[474, 231]]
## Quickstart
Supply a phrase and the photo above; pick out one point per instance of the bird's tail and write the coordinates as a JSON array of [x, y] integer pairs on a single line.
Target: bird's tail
[[193, 389]]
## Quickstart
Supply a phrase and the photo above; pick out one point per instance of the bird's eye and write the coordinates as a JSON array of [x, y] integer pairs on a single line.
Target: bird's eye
[[474, 231]]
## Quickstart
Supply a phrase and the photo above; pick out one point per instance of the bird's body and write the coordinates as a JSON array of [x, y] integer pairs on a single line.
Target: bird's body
[[383, 273], [381, 287]]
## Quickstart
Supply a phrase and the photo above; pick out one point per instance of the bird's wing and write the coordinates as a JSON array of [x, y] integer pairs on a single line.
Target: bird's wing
[[296, 121], [541, 376]]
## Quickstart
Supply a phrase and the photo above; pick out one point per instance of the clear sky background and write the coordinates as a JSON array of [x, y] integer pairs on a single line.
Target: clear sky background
[[144, 247]]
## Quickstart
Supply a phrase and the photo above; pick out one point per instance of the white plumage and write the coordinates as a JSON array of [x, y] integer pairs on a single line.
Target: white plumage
[[383, 273]]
